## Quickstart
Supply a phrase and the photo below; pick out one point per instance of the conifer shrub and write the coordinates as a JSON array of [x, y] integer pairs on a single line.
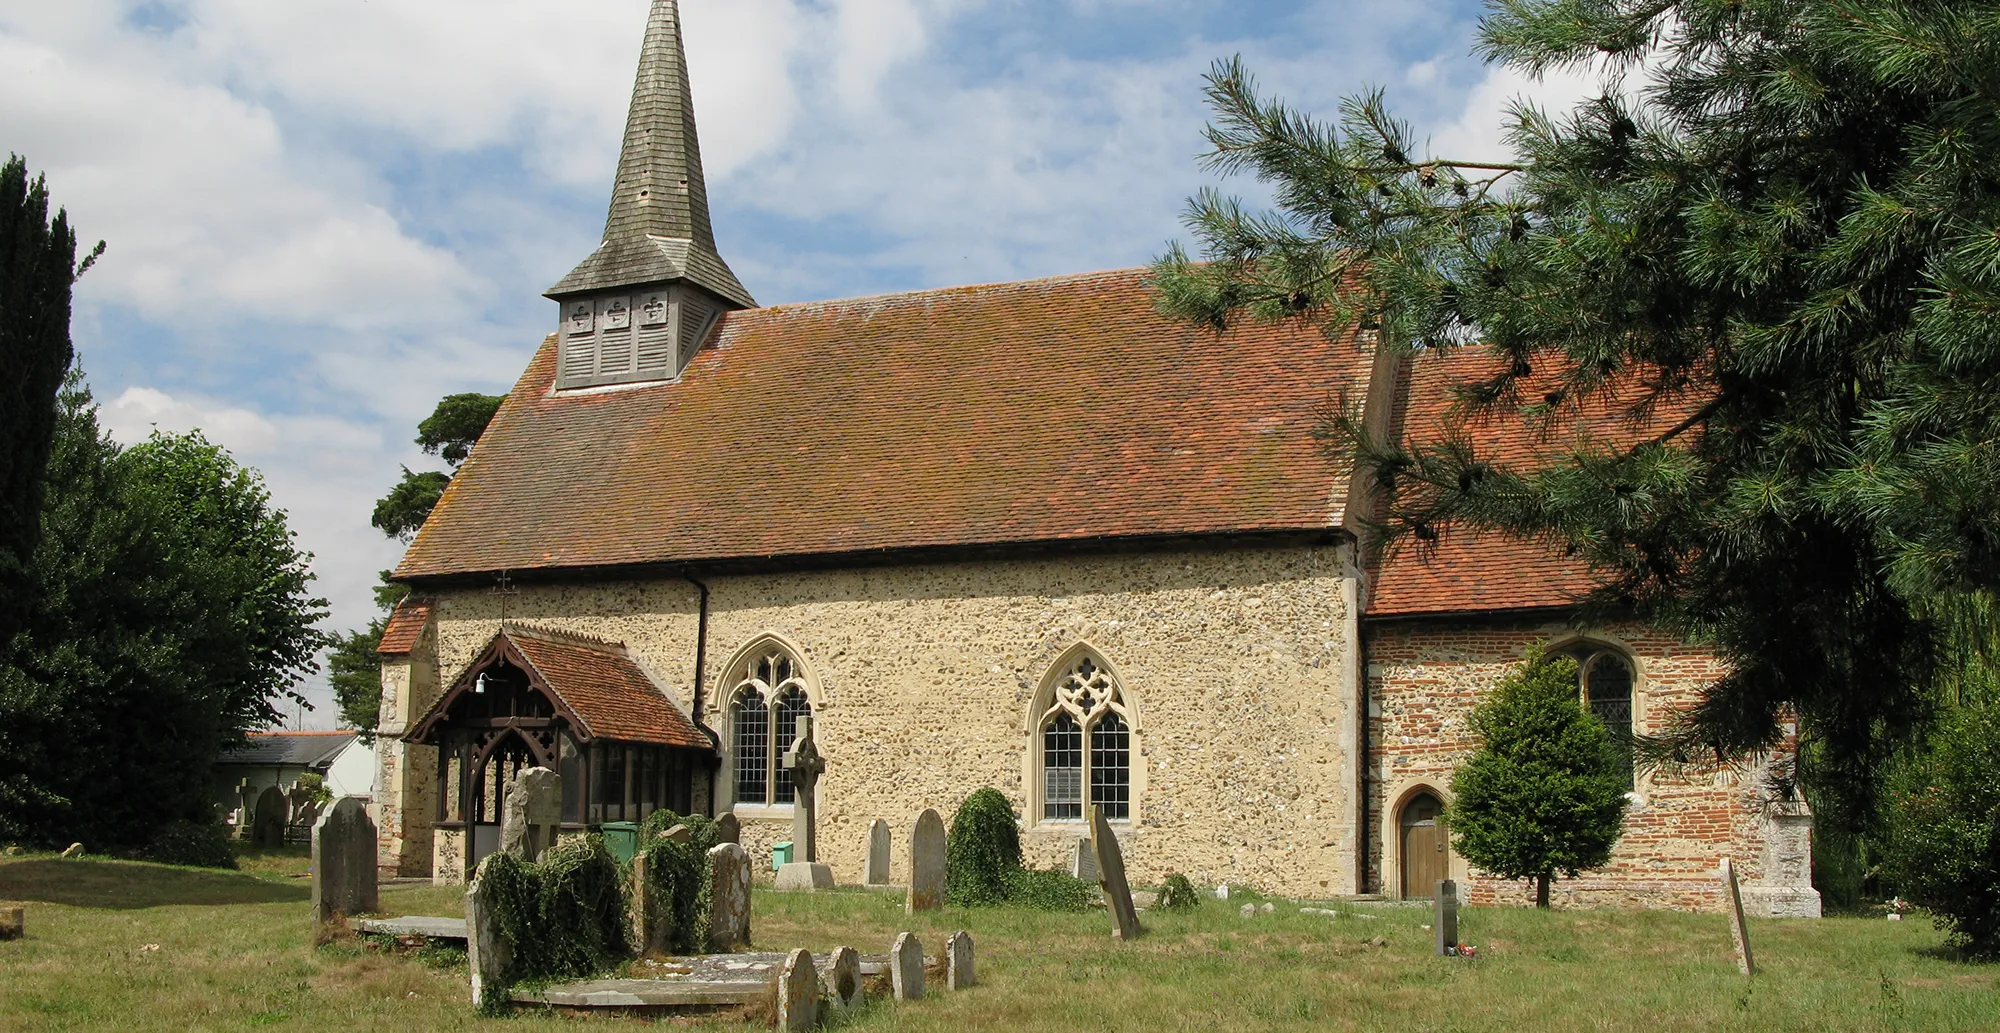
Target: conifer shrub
[[982, 858], [1545, 792], [1942, 851], [563, 915], [1177, 894], [191, 844], [678, 874]]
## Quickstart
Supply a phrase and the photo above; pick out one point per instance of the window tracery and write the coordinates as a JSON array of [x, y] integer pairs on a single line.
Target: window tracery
[[766, 703], [1085, 705]]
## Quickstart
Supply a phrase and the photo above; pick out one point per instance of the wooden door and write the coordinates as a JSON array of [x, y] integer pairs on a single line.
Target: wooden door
[[1425, 852]]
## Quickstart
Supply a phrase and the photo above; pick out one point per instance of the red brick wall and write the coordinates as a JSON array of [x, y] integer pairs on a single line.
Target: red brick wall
[[1424, 678]]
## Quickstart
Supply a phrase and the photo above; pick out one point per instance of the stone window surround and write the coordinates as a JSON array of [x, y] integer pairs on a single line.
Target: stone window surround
[[1038, 711], [738, 671], [1603, 643]]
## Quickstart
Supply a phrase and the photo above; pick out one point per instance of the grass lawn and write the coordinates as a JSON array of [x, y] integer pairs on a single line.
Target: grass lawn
[[118, 945]]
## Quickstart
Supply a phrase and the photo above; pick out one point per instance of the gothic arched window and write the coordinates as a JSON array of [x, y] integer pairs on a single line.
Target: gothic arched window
[[765, 705], [1084, 743], [1605, 681]]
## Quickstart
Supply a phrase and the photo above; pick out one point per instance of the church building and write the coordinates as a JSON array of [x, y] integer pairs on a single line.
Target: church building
[[1031, 535]]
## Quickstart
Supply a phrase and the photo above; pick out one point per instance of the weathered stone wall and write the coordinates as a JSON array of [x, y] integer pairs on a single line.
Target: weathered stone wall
[[406, 776], [1424, 678], [1238, 664]]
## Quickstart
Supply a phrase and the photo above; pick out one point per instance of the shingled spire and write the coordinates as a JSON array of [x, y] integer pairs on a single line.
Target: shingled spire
[[658, 264]]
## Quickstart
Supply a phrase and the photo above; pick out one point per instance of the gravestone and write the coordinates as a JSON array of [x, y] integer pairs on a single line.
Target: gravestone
[[246, 810], [926, 863], [876, 871], [13, 922], [680, 834], [1444, 917], [1083, 861], [728, 829], [343, 862], [649, 927], [843, 979], [486, 951], [532, 813], [1111, 876], [272, 813], [303, 805], [906, 967], [958, 972], [798, 993], [73, 851], [1732, 901], [805, 872], [729, 898]]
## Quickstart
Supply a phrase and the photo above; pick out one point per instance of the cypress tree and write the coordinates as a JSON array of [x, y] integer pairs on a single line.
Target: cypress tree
[[1770, 250], [1545, 791]]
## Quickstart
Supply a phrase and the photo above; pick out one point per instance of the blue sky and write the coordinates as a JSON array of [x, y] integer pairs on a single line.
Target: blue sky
[[323, 215]]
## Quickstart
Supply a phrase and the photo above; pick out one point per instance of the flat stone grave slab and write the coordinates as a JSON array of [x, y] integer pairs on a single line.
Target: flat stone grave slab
[[704, 981], [415, 925]]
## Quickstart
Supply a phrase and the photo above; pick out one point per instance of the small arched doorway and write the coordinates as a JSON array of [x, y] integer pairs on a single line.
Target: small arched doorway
[[1426, 851]]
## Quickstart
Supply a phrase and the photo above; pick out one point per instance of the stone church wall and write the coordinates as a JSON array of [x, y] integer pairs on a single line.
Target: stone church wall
[[1424, 678], [1238, 664]]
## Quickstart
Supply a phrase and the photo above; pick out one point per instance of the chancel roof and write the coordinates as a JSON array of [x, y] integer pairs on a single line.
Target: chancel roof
[[1042, 411]]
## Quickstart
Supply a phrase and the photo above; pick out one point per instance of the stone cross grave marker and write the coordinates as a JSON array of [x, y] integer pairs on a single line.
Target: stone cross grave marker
[[876, 871], [271, 817], [303, 804], [1444, 917], [529, 818], [728, 829], [246, 810], [958, 973], [843, 979], [906, 967], [729, 898], [798, 993], [486, 951], [1733, 901], [1083, 861], [1111, 876], [805, 872], [926, 863], [343, 862]]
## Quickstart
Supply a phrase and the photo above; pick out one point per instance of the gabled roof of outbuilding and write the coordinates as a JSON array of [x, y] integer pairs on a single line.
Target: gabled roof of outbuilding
[[596, 684], [1044, 411], [1468, 572], [287, 749]]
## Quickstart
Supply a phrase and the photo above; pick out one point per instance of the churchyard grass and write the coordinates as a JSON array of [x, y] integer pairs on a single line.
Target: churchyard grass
[[231, 955]]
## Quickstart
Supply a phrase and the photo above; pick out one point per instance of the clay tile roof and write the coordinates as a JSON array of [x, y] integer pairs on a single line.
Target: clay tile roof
[[604, 689], [1048, 410], [405, 627], [1467, 572]]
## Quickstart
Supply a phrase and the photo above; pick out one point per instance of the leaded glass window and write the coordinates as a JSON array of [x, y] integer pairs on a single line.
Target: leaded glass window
[[1085, 703], [770, 698], [1606, 679]]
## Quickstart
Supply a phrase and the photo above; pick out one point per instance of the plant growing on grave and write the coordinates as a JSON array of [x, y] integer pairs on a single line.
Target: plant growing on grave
[[678, 874], [982, 855], [1177, 894], [191, 844], [1050, 890], [1943, 820], [1545, 791], [563, 915]]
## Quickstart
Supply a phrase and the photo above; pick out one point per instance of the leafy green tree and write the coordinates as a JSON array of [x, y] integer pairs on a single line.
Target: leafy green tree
[[1771, 242], [172, 616], [37, 267], [355, 669], [1545, 791], [1942, 843], [449, 431]]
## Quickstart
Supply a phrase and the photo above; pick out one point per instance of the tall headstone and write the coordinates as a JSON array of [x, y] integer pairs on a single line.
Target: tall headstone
[[798, 993], [843, 979], [958, 973], [926, 863], [272, 814], [1083, 861], [728, 829], [805, 872], [246, 810], [906, 967], [343, 862], [729, 898], [1733, 901], [532, 813], [1111, 876], [648, 915], [1444, 917], [876, 871], [486, 951]]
